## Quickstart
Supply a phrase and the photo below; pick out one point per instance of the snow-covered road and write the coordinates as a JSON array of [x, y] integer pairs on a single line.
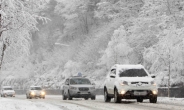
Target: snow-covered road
[[55, 102]]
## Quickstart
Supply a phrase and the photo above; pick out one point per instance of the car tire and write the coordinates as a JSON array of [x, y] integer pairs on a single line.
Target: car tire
[[69, 96], [86, 98], [117, 98], [93, 98], [44, 97], [139, 99], [64, 97], [153, 99], [106, 96]]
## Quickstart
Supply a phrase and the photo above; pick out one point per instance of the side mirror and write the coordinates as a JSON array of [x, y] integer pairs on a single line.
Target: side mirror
[[93, 83], [112, 75], [153, 75]]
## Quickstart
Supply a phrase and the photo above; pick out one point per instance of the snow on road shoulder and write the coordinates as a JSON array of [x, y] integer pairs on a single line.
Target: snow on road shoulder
[[171, 100], [11, 104]]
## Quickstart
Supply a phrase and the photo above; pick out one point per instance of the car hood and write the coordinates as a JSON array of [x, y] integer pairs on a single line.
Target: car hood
[[136, 79], [9, 91], [85, 85], [36, 90]]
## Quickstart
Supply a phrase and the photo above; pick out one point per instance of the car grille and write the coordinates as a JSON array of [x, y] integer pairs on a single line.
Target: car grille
[[83, 89], [139, 82]]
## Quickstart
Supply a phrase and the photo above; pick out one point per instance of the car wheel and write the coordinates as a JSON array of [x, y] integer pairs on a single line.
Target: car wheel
[[139, 99], [93, 98], [27, 97], [153, 99], [64, 97], [44, 97], [69, 97], [106, 97], [117, 98], [86, 98]]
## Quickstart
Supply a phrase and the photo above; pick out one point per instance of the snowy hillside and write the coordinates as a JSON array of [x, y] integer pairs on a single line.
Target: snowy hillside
[[89, 36]]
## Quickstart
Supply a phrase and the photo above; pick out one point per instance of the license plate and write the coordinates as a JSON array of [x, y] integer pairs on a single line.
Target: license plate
[[140, 93], [83, 92]]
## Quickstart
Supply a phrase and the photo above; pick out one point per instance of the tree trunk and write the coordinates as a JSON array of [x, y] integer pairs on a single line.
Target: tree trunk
[[3, 43], [2, 55]]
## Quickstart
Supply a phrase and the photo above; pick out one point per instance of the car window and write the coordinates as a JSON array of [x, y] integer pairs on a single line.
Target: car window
[[133, 73], [8, 89], [79, 81], [36, 88], [67, 82], [113, 71]]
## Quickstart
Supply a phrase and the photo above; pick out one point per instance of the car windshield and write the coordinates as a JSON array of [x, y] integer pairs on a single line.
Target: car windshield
[[36, 88], [133, 73], [8, 89], [79, 81]]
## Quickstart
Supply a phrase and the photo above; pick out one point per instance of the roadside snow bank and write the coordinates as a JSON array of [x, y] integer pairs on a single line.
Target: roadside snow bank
[[171, 100], [11, 104]]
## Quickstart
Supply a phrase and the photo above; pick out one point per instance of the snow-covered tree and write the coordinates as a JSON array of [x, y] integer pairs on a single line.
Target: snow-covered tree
[[18, 18], [111, 9], [118, 49]]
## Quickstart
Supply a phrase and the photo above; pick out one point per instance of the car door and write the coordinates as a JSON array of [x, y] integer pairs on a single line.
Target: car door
[[107, 82], [66, 87], [112, 78], [28, 92], [1, 91]]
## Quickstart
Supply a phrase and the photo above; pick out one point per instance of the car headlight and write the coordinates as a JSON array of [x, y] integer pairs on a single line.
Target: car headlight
[[124, 83], [74, 88], [153, 83], [154, 92], [123, 92], [32, 93], [42, 93]]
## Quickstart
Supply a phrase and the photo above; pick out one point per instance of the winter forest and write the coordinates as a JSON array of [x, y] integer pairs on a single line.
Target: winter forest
[[42, 42]]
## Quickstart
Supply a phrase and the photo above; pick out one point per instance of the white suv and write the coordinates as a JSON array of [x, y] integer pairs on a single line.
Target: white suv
[[130, 82]]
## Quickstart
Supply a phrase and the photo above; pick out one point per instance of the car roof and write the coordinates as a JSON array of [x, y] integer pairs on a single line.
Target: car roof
[[6, 87], [128, 66], [35, 86], [78, 77]]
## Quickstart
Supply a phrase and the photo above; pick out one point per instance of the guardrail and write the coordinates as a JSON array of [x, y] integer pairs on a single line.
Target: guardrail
[[162, 92]]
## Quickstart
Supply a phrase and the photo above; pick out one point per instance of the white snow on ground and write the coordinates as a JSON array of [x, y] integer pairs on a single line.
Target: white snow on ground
[[12, 104], [171, 100], [78, 104]]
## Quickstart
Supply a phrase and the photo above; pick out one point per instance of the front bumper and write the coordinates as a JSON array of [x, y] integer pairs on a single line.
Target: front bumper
[[129, 92], [81, 94], [37, 95], [9, 94]]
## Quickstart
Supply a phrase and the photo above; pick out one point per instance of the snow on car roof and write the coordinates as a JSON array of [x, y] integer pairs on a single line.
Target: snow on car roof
[[128, 66], [6, 87], [35, 86]]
